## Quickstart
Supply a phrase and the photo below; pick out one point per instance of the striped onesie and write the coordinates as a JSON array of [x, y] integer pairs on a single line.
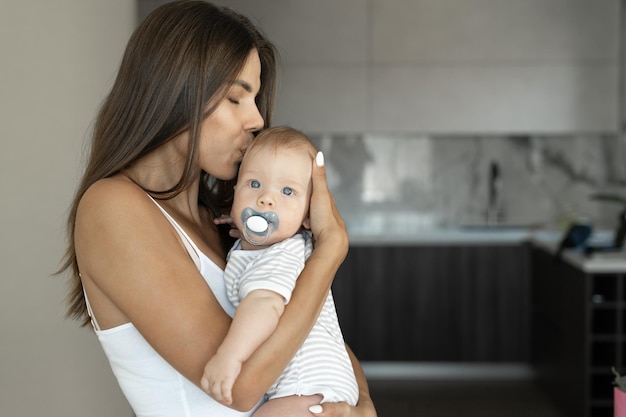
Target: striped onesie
[[321, 365]]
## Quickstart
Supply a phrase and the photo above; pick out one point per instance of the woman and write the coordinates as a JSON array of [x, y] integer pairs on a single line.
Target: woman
[[146, 248]]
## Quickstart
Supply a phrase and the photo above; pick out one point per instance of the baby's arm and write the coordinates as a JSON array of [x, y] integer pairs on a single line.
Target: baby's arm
[[255, 320]]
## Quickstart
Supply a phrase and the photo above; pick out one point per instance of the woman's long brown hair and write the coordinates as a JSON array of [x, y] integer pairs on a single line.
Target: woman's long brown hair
[[178, 60]]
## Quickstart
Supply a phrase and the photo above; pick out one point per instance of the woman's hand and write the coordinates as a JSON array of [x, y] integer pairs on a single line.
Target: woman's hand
[[327, 224]]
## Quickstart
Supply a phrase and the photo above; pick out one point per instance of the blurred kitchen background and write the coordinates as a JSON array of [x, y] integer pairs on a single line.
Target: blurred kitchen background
[[462, 138], [448, 113]]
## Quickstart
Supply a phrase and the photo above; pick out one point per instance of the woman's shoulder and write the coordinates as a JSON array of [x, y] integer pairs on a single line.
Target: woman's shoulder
[[113, 187], [115, 199], [114, 191]]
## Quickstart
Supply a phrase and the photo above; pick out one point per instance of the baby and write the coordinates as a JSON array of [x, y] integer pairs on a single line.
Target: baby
[[270, 210]]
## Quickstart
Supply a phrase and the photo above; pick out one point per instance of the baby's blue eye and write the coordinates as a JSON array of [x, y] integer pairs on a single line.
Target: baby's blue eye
[[255, 184], [287, 191]]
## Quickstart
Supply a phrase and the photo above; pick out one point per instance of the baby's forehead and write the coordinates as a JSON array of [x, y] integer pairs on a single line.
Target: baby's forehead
[[286, 159], [298, 154], [297, 148]]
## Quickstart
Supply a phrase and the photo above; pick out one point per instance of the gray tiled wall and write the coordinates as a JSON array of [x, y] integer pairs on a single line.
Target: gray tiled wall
[[413, 182]]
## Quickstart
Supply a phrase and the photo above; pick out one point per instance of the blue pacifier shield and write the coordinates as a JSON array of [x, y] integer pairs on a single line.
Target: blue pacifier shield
[[258, 226]]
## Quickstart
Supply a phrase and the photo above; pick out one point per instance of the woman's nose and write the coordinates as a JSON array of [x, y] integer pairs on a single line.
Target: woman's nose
[[254, 121]]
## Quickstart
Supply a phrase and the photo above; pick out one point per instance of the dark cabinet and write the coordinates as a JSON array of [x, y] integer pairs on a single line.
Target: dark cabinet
[[579, 333], [436, 303]]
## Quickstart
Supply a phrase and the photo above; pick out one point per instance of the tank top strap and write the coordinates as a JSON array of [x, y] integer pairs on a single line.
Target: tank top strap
[[92, 317], [192, 249]]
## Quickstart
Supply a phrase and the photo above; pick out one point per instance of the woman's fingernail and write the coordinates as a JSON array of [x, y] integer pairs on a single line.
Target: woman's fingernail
[[319, 161], [316, 409]]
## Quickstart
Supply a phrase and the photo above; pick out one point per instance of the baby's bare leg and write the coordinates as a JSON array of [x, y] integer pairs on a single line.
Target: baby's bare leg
[[292, 406]]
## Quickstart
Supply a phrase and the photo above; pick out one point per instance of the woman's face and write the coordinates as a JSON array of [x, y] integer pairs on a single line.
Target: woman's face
[[228, 131]]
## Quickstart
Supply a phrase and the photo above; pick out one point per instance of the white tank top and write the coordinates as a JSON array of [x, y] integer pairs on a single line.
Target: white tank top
[[151, 385]]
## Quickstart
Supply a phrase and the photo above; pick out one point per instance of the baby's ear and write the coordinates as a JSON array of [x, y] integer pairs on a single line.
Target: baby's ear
[[306, 223]]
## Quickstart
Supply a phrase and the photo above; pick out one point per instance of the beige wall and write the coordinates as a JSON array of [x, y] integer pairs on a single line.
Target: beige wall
[[444, 66], [57, 59]]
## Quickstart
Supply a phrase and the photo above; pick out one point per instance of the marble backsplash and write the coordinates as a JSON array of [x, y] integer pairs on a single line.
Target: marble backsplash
[[416, 182]]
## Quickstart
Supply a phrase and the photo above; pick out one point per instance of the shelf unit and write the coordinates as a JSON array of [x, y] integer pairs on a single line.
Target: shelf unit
[[578, 334]]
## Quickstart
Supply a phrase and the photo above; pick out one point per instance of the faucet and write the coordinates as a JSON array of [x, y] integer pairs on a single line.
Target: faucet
[[495, 211]]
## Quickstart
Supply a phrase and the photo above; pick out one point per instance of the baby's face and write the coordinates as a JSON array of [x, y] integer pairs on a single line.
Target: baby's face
[[274, 188]]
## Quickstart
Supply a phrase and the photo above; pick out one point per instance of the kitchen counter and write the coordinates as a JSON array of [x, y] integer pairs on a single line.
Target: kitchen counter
[[408, 228], [499, 235], [442, 236], [597, 263]]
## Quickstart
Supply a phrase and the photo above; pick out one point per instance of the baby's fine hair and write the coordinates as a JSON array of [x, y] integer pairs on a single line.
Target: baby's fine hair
[[282, 137]]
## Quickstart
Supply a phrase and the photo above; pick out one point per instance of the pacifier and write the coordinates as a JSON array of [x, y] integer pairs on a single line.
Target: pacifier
[[257, 226]]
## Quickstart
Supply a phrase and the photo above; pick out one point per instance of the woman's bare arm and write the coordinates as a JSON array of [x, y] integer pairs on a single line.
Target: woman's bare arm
[[129, 251], [132, 255]]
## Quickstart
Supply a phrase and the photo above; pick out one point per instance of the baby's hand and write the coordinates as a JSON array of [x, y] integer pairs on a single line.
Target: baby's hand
[[219, 377]]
